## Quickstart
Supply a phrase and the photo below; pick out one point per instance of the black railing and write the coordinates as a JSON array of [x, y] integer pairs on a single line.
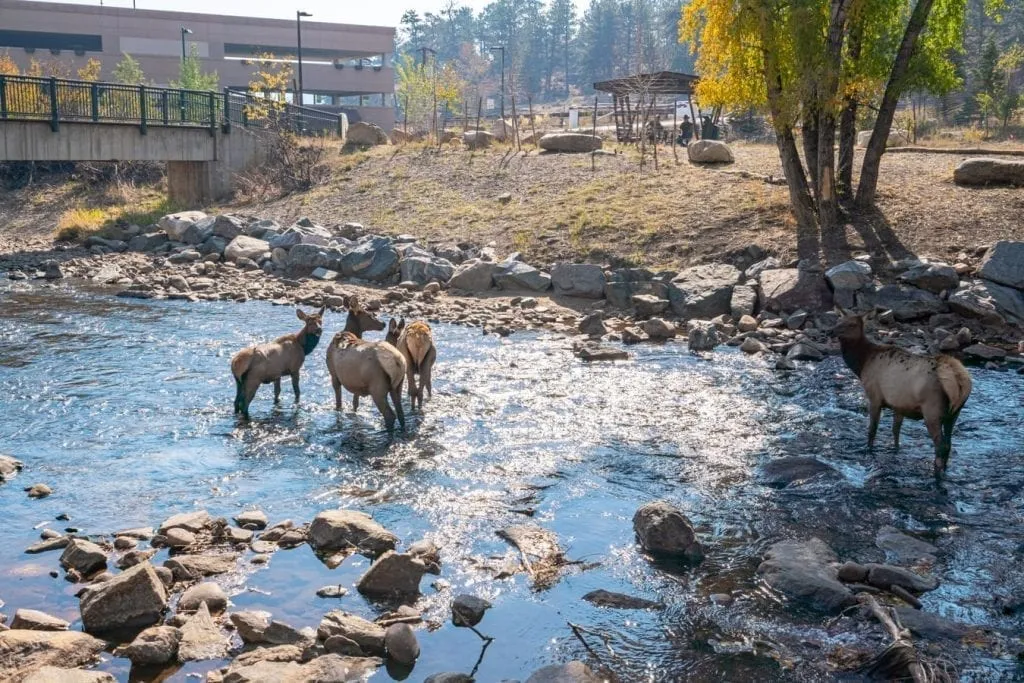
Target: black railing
[[57, 100]]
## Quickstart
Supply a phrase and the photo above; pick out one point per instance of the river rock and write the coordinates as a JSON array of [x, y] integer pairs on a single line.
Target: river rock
[[176, 224], [659, 328], [885, 575], [9, 467], [49, 544], [571, 672], [190, 521], [804, 571], [984, 352], [341, 529], [851, 572], [931, 277], [582, 280], [23, 651], [210, 593], [904, 548], [244, 246], [340, 645], [791, 289], [991, 303], [592, 352], [647, 305], [134, 557], [54, 674], [792, 470], [751, 345], [154, 646], [213, 245], [425, 269], [518, 275], [593, 325], [83, 556], [743, 302], [986, 171], [473, 275], [477, 139], [703, 291], [201, 638], [569, 142], [664, 531], [851, 275], [930, 626], [603, 598], [468, 610], [257, 628], [401, 644], [393, 575], [179, 538], [906, 303], [709, 152], [134, 598], [896, 138], [374, 259], [35, 620], [366, 134], [1004, 264], [39, 491], [701, 335], [449, 677], [193, 567], [804, 351], [366, 634]]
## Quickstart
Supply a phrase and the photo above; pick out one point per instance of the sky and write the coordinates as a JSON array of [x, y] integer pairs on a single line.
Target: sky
[[372, 12]]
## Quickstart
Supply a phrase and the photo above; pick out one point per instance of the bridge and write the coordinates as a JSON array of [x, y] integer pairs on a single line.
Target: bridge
[[205, 137]]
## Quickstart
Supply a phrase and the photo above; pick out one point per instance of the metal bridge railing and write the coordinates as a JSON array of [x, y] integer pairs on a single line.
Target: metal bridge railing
[[56, 100]]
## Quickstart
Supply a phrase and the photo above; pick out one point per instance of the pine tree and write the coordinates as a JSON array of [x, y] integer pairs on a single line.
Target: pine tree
[[128, 71]]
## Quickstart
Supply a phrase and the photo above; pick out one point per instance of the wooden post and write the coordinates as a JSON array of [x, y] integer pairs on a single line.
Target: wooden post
[[405, 123], [54, 112], [515, 123], [593, 131], [479, 108], [675, 154], [533, 122], [698, 131]]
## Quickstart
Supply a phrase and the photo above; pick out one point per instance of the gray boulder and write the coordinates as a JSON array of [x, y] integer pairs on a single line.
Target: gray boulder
[[199, 232], [208, 592], [151, 241], [364, 133], [703, 291], [647, 305], [982, 171], [791, 289], [296, 235], [229, 227], [569, 142], [571, 672], [518, 275], [375, 259], [340, 529], [83, 556], [56, 674], [189, 521], [664, 531], [424, 269], [709, 152], [1004, 264], [154, 646], [213, 245], [701, 335], [593, 325], [477, 139], [473, 276], [743, 301], [931, 277], [366, 634], [393, 575], [131, 599], [244, 246], [263, 229], [9, 467], [201, 638], [906, 303], [35, 620], [851, 275], [400, 642], [194, 567], [620, 292], [804, 571], [583, 280], [176, 224], [23, 652]]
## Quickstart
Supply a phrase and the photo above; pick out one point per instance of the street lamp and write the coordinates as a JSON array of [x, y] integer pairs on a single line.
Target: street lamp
[[502, 48], [298, 30], [184, 31]]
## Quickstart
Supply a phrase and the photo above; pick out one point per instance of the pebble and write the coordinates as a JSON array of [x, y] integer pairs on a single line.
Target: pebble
[[332, 592]]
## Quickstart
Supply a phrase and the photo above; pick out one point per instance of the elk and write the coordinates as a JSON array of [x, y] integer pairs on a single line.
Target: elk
[[360, 320], [416, 343], [365, 368], [933, 388], [269, 362]]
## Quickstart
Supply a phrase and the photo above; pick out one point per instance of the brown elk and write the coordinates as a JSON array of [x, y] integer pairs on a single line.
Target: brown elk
[[269, 362], [365, 368], [416, 343], [360, 320], [933, 388]]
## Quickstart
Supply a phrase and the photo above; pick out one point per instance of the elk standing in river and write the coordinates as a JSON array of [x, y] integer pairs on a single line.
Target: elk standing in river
[[266, 363], [934, 388], [365, 368], [416, 342], [360, 320]]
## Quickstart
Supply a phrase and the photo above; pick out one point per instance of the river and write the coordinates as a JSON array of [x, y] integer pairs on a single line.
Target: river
[[123, 407]]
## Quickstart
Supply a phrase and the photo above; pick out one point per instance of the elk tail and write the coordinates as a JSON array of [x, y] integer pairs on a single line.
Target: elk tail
[[955, 381]]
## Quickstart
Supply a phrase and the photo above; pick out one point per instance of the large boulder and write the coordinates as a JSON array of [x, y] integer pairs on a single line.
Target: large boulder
[[625, 283], [477, 139], [374, 259], [897, 138], [804, 571], [932, 277], [791, 289], [131, 599], [201, 638], [176, 224], [303, 259], [851, 275], [393, 575], [424, 269], [366, 134], [743, 301], [207, 592], [584, 280], [340, 529], [502, 130], [199, 232], [38, 621], [518, 275], [1004, 264], [156, 645], [570, 142], [300, 235], [56, 674], [906, 303], [703, 291], [570, 672], [473, 276], [989, 172], [9, 467], [83, 556], [244, 246], [151, 241], [23, 652], [229, 227], [709, 152], [664, 531], [366, 634]]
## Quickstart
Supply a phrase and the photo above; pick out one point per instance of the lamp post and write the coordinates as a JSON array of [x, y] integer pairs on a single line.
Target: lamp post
[[502, 48], [184, 32], [298, 29]]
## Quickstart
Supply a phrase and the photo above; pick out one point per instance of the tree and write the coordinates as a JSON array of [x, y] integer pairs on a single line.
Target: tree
[[191, 74], [561, 21], [424, 87], [128, 71], [91, 71]]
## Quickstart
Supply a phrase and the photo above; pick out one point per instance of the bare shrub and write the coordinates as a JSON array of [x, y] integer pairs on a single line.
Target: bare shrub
[[292, 164]]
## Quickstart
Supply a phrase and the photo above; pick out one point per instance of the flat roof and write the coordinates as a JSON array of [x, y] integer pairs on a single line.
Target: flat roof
[[107, 10], [657, 83]]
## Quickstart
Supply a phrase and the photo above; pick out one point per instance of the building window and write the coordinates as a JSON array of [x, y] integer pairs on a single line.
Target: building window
[[55, 42]]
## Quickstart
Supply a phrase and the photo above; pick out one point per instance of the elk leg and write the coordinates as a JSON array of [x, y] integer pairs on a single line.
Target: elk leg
[[239, 394], [875, 410], [277, 390], [897, 422], [428, 367], [934, 425], [295, 385], [251, 386], [337, 393], [381, 399], [410, 377], [355, 402], [396, 398]]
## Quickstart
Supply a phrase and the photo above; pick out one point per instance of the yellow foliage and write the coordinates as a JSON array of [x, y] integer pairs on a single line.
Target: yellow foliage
[[91, 71], [79, 222], [270, 83], [7, 65]]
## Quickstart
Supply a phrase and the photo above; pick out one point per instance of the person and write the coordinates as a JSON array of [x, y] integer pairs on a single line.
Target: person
[[685, 131]]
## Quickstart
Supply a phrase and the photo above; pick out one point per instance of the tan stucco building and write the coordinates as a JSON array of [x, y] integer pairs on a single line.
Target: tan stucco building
[[343, 65]]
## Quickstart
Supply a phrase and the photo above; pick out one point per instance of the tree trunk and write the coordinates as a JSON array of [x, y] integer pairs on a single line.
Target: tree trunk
[[809, 133], [887, 111], [848, 125], [828, 93]]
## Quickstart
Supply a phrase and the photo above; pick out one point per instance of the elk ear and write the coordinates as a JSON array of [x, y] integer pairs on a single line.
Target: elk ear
[[302, 316], [392, 325], [401, 324]]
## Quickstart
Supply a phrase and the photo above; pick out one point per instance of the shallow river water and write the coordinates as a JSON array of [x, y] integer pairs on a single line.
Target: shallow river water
[[124, 408]]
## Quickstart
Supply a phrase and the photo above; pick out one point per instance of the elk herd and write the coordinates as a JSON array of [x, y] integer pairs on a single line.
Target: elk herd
[[933, 388]]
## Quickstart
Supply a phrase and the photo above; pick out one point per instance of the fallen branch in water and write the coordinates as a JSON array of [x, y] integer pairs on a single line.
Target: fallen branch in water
[[900, 660], [578, 632]]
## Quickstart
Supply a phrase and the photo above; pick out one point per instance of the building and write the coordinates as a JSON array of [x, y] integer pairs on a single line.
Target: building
[[343, 66]]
